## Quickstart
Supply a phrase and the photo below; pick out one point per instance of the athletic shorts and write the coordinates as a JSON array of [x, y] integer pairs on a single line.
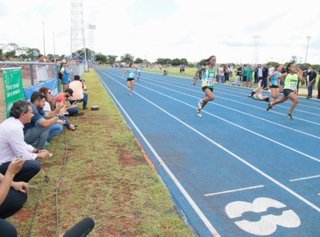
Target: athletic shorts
[[252, 93], [287, 92], [205, 87], [273, 86], [249, 79], [244, 78], [64, 83], [130, 79]]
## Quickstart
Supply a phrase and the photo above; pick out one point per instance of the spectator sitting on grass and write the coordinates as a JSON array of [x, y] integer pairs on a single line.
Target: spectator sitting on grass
[[78, 95], [12, 142], [49, 105], [12, 196], [43, 125], [62, 97]]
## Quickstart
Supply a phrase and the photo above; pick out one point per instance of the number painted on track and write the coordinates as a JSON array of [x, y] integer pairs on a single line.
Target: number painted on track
[[268, 223]]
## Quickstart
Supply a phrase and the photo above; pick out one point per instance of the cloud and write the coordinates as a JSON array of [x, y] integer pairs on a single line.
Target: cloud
[[175, 29]]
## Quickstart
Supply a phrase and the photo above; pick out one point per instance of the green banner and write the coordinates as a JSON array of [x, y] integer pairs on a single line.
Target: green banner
[[13, 88]]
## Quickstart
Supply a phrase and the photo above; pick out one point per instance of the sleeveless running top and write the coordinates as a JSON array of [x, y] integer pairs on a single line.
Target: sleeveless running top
[[274, 79], [255, 96], [209, 77], [138, 69], [131, 73], [291, 81]]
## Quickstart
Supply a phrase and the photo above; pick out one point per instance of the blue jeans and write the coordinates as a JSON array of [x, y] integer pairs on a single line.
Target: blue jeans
[[310, 87], [221, 79], [29, 169], [54, 130], [67, 124], [37, 135], [265, 82], [84, 100], [72, 111], [237, 81]]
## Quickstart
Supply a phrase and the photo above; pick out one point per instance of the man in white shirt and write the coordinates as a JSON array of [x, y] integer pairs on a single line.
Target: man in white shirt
[[42, 69], [259, 72], [271, 70], [12, 144]]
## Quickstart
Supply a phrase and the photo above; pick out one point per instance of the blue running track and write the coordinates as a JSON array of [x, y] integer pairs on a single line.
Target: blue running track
[[237, 171]]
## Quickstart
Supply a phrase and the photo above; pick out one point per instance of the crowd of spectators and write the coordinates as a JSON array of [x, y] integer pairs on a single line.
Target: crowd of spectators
[[24, 135]]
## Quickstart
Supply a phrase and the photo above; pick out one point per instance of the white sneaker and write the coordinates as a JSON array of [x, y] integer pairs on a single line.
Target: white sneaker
[[199, 105], [199, 114]]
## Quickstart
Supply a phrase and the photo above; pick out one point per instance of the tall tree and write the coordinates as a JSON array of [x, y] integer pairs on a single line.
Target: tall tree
[[101, 58], [111, 58], [10, 54], [184, 61], [127, 58], [138, 60], [176, 61], [30, 52]]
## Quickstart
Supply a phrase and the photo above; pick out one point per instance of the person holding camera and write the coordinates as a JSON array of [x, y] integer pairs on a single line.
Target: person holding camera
[[13, 195], [78, 95]]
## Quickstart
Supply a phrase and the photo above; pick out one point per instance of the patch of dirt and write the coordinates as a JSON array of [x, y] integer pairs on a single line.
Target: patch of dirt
[[125, 159]]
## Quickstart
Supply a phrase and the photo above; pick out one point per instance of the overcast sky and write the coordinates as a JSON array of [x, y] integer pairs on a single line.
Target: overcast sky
[[192, 29]]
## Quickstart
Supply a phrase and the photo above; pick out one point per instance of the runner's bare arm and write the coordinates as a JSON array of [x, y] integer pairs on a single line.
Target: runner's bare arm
[[272, 75], [125, 73], [195, 76]]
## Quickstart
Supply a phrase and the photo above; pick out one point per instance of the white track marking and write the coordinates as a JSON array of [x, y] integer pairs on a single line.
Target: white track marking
[[234, 190], [304, 178]]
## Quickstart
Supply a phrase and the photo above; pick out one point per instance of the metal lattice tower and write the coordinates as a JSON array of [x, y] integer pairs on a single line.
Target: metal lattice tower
[[77, 32], [91, 29], [255, 56]]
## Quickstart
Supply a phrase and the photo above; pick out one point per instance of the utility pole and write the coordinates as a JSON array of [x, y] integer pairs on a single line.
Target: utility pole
[[54, 49], [44, 42], [308, 38]]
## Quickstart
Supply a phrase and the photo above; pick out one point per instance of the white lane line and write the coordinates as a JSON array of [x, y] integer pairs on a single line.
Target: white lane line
[[268, 121], [175, 180], [246, 104], [234, 190], [229, 152], [304, 178]]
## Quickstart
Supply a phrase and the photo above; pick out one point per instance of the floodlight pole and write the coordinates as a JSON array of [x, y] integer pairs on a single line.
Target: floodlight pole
[[44, 43], [54, 49], [308, 38]]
